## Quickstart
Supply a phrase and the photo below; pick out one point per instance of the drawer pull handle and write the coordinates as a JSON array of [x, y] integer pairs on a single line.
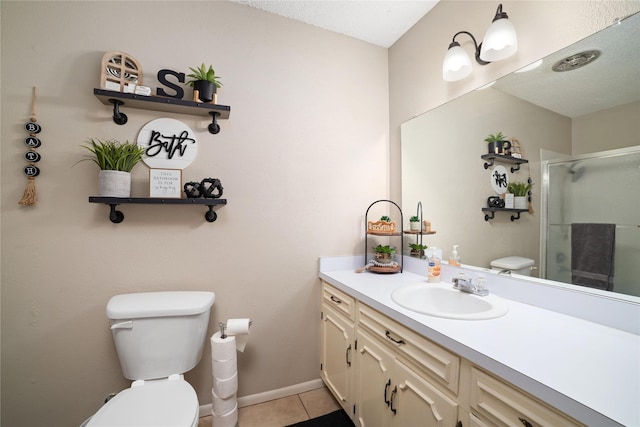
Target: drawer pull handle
[[388, 335], [347, 355], [393, 393], [336, 300], [386, 389], [525, 422]]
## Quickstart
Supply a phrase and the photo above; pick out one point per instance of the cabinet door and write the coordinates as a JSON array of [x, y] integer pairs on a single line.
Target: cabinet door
[[372, 382], [336, 355], [416, 402]]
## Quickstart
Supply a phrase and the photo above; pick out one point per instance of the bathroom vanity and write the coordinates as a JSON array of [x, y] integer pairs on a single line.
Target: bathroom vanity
[[391, 366]]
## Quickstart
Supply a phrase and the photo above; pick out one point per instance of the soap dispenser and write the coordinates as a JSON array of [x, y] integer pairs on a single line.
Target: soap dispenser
[[433, 270], [454, 259]]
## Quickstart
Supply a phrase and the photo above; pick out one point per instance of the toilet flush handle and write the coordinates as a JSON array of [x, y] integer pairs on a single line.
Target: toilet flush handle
[[123, 325]]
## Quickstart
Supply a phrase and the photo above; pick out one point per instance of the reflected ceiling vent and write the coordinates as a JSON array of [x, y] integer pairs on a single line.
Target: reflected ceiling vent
[[576, 61]]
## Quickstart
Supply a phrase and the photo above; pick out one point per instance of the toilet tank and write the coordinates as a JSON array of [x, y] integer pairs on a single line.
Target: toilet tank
[[158, 334], [515, 264]]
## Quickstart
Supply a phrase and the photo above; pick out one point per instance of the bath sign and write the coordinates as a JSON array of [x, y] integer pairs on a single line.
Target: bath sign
[[168, 143]]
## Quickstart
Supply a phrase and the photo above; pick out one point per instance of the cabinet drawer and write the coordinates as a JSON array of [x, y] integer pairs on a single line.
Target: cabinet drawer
[[504, 405], [337, 299], [434, 360]]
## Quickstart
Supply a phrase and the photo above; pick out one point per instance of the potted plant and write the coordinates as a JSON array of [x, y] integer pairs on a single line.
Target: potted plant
[[384, 254], [205, 81], [417, 250], [520, 191], [115, 160], [414, 223], [497, 143]]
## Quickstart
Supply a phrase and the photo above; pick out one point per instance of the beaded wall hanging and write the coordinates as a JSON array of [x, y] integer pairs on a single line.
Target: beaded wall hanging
[[31, 156]]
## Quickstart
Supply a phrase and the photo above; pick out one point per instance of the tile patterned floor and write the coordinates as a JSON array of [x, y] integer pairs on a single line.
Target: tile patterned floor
[[285, 411]]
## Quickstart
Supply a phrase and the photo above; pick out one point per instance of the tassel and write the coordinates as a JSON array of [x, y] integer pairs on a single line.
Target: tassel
[[29, 197]]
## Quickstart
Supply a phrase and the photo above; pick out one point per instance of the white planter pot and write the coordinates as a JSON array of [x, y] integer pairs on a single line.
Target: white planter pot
[[114, 184], [414, 226], [520, 202]]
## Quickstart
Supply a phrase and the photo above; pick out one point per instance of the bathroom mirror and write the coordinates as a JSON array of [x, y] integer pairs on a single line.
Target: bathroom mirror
[[547, 112]]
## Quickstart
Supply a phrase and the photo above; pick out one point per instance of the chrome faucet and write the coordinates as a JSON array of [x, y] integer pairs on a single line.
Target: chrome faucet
[[468, 285]]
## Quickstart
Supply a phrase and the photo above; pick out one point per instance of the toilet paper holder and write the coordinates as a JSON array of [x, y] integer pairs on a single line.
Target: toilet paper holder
[[223, 326]]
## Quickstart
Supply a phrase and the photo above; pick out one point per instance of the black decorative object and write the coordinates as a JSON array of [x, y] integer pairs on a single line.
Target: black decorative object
[[495, 202], [208, 188], [192, 190]]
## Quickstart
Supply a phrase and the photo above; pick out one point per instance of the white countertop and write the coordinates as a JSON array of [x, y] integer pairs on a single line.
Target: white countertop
[[587, 370]]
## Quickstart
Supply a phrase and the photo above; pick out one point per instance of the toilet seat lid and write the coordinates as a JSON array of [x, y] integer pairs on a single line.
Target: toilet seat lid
[[155, 403]]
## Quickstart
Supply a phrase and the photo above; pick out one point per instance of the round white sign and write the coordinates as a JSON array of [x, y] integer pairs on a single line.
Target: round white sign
[[169, 144], [499, 179]]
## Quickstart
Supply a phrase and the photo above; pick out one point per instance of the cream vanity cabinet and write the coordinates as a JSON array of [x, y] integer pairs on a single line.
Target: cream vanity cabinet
[[337, 344], [385, 374], [390, 389]]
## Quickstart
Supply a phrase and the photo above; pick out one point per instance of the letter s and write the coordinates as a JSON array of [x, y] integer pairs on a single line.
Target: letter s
[[163, 80]]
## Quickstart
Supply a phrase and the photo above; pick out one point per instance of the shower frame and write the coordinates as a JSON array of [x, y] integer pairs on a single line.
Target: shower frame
[[544, 196]]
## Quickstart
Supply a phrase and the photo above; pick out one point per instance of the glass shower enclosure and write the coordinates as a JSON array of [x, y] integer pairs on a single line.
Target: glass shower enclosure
[[599, 187]]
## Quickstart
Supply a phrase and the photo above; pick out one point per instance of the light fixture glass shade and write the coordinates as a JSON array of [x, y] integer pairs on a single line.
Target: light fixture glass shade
[[456, 64], [500, 41]]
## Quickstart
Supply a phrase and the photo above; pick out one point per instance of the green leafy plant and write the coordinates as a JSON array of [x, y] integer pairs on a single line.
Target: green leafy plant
[[385, 218], [202, 73], [417, 246], [495, 137], [385, 249], [114, 155], [414, 219], [519, 188]]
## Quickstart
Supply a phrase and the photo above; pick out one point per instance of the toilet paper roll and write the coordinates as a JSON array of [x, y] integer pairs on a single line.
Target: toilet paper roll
[[225, 388], [240, 329], [223, 406], [229, 419], [223, 348], [224, 369]]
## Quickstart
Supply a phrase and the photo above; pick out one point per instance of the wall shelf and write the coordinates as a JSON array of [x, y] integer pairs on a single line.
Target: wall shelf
[[493, 211], [117, 217], [492, 158], [164, 104]]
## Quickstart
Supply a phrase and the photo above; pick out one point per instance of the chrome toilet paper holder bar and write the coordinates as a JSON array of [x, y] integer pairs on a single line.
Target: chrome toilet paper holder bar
[[223, 326]]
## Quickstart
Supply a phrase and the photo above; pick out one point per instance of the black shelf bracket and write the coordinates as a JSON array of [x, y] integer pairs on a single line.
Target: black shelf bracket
[[118, 117], [487, 165], [214, 127], [488, 217], [115, 216]]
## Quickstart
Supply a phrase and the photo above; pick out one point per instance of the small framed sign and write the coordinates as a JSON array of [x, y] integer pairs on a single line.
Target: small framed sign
[[165, 183]]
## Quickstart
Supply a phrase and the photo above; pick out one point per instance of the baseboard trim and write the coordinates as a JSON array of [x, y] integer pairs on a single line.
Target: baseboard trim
[[205, 410]]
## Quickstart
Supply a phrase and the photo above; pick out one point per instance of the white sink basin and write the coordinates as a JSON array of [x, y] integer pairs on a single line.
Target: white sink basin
[[441, 300]]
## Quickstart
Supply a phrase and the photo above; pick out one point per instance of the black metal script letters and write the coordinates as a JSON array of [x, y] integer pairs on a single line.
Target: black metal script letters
[[170, 144]]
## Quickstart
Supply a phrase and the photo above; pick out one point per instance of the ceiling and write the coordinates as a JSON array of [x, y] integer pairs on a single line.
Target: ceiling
[[383, 22], [609, 81], [380, 22]]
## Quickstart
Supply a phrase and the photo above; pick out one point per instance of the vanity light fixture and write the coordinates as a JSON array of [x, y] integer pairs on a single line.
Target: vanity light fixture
[[500, 42]]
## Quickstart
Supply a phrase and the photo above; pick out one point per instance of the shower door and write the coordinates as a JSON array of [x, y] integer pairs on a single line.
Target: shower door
[[596, 188]]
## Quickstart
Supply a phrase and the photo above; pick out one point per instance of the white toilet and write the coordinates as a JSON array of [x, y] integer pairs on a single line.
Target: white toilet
[[158, 336], [514, 264]]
